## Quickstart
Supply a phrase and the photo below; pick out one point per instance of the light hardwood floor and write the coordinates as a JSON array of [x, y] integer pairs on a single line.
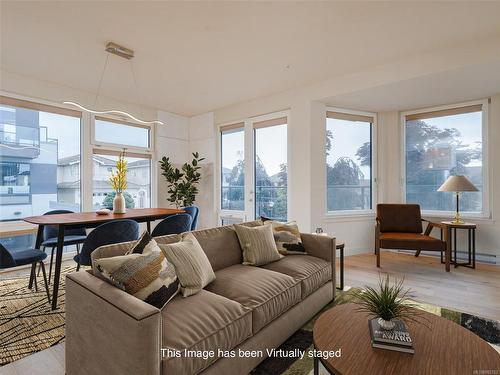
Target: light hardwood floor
[[463, 289], [475, 291]]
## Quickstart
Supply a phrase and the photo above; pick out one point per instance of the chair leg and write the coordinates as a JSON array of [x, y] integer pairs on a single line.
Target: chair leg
[[42, 266], [77, 249], [377, 251], [51, 261], [32, 274], [417, 253], [43, 249], [78, 266]]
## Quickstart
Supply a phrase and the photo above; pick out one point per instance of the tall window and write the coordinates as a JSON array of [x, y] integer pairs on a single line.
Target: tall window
[[39, 159], [271, 175], [348, 161], [439, 144], [233, 167]]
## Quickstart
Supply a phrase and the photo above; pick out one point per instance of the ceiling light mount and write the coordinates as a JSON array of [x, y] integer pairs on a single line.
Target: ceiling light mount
[[118, 50], [128, 54]]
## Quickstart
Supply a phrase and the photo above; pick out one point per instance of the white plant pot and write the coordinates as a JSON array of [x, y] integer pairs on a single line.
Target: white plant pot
[[386, 324], [119, 206]]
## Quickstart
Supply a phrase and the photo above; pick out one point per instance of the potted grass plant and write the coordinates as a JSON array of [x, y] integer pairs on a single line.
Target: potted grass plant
[[118, 182], [386, 303]]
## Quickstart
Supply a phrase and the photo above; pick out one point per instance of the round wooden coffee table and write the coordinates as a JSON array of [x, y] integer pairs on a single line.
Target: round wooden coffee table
[[445, 348]]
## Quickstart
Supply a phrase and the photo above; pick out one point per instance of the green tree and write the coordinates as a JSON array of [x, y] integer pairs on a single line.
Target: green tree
[[108, 200]]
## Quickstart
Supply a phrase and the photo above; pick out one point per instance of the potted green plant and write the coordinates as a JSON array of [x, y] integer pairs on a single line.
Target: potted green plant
[[182, 183], [387, 303]]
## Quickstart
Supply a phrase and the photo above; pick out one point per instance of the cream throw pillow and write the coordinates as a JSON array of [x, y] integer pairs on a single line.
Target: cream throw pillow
[[191, 264], [258, 244]]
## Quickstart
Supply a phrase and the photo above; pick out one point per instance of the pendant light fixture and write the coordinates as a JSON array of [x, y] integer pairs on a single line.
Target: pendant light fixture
[[125, 53]]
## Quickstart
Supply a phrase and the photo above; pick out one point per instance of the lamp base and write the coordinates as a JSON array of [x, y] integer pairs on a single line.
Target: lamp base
[[457, 219]]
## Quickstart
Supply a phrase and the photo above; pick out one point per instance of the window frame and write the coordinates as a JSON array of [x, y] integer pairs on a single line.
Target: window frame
[[88, 144], [120, 121], [486, 211], [96, 147], [249, 152], [41, 105], [374, 167]]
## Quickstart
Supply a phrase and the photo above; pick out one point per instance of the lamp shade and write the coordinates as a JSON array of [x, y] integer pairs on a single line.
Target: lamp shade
[[457, 183]]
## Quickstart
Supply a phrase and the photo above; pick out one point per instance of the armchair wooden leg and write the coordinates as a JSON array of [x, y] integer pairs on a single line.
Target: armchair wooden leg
[[377, 251], [417, 253]]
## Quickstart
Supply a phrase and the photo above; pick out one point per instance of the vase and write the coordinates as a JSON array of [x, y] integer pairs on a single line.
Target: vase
[[386, 324], [119, 204]]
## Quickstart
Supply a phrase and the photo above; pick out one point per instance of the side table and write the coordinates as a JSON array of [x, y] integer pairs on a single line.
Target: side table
[[471, 241]]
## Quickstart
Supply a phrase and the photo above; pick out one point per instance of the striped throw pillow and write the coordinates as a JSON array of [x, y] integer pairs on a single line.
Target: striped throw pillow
[[257, 244], [191, 264], [147, 275]]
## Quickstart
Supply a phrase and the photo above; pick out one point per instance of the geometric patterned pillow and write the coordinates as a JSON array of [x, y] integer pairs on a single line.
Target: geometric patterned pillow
[[147, 276], [287, 237]]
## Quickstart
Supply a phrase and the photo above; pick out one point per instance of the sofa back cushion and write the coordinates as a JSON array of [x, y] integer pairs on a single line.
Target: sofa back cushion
[[405, 218], [220, 244]]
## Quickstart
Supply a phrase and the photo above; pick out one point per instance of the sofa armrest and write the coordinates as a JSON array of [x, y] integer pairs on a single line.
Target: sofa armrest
[[109, 331], [323, 247], [319, 246]]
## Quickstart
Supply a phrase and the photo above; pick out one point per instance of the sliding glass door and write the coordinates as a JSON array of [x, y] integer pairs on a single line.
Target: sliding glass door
[[254, 169]]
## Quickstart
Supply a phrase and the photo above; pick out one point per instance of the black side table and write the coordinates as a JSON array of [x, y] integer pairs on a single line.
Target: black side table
[[471, 240], [340, 246]]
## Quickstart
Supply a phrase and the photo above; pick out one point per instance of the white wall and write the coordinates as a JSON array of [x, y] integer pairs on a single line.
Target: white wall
[[172, 141], [306, 142], [202, 140]]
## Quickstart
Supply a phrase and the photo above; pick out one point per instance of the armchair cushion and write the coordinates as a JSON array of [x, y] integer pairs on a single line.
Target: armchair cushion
[[410, 241], [404, 218]]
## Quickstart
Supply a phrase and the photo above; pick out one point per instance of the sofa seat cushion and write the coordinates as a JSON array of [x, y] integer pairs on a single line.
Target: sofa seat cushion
[[201, 322], [312, 272], [267, 293], [411, 241]]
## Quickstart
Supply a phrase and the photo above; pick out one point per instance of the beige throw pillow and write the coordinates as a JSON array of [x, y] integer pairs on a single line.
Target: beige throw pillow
[[191, 264], [257, 244]]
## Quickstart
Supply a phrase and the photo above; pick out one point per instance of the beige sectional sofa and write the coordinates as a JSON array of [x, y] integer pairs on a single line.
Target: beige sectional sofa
[[250, 308]]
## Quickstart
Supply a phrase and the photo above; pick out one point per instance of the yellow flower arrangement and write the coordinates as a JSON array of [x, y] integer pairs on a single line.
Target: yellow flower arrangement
[[118, 180]]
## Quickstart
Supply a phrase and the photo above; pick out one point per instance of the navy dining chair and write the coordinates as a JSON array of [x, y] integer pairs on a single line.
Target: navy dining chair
[[71, 237], [9, 259], [193, 211], [107, 234], [174, 224]]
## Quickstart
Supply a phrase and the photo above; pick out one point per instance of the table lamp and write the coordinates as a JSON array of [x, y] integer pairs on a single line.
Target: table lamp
[[457, 184]]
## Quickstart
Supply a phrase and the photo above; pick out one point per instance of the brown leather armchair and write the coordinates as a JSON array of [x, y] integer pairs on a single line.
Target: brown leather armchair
[[399, 226]]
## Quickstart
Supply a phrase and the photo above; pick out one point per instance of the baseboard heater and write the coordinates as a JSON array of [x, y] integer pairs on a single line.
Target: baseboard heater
[[463, 256]]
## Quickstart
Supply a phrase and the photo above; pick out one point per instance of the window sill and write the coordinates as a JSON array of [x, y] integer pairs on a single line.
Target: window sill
[[447, 216], [346, 216]]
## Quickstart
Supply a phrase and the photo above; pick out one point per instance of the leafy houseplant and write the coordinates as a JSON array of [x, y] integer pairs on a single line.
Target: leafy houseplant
[[118, 182], [182, 183], [387, 302]]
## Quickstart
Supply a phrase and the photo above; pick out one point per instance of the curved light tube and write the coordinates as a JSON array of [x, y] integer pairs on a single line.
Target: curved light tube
[[115, 112]]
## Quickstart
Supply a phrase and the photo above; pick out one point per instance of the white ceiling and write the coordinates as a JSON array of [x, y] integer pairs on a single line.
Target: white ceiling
[[193, 57], [449, 87]]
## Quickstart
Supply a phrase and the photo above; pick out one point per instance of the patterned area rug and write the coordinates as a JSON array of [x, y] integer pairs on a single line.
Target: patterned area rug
[[27, 324], [487, 329]]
